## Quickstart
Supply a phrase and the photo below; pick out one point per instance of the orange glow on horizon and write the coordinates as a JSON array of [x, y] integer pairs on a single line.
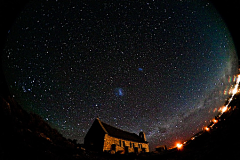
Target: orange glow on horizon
[[179, 145], [207, 129], [224, 109], [215, 121]]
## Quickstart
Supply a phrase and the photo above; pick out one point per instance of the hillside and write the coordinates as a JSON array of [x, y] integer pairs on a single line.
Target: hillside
[[27, 135], [220, 142]]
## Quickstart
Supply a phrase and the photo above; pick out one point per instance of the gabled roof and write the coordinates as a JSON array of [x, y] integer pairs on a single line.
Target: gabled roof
[[118, 133]]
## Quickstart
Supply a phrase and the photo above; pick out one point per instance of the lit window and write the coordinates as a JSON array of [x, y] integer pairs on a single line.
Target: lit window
[[139, 145]]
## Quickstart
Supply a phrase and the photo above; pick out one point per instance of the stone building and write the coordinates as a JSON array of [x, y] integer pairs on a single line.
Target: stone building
[[105, 138]]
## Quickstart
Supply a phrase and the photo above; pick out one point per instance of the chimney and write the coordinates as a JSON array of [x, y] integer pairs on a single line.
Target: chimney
[[142, 136]]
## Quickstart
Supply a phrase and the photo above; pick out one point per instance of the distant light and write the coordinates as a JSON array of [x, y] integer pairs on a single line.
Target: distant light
[[207, 129], [224, 109], [140, 69], [179, 145], [215, 121]]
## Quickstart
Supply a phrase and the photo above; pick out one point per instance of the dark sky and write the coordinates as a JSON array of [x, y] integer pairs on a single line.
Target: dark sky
[[158, 67]]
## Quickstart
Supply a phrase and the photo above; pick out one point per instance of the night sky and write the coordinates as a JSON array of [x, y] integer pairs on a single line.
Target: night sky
[[162, 67]]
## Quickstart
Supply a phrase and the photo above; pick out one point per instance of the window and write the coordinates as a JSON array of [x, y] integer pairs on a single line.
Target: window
[[123, 143], [133, 145], [120, 143], [113, 147], [130, 145]]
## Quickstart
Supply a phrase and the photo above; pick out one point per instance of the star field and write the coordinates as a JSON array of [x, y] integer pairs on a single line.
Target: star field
[[160, 67]]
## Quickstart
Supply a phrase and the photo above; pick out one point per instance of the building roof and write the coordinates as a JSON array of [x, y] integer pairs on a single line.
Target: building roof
[[118, 133]]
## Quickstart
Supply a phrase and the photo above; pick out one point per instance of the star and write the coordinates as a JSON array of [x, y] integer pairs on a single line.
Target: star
[[160, 67]]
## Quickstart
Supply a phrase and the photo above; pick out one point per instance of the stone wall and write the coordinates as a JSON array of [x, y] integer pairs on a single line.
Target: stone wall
[[121, 145]]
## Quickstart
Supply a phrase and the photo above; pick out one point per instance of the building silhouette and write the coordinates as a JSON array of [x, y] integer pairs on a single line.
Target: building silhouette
[[102, 137]]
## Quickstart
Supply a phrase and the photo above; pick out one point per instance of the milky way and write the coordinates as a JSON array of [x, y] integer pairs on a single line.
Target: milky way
[[162, 67]]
